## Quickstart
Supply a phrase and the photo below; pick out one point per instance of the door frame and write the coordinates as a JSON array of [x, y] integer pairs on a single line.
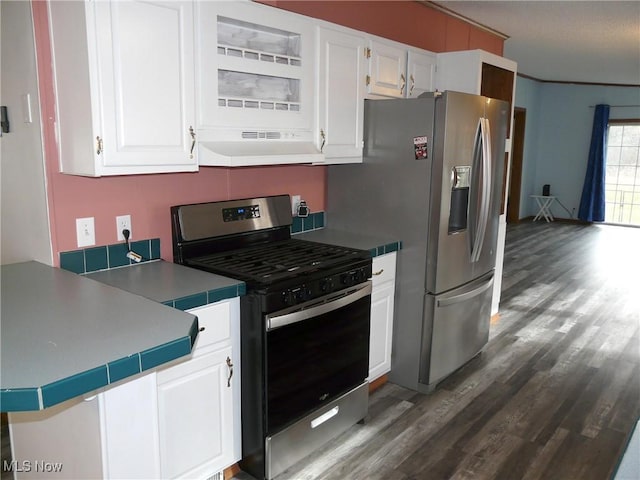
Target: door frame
[[517, 157]]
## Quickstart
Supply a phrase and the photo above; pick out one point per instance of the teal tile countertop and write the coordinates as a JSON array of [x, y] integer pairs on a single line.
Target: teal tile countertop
[[376, 245], [171, 284], [63, 335]]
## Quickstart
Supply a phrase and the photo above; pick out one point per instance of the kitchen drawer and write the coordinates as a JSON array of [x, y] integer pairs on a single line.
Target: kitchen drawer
[[384, 268], [215, 323]]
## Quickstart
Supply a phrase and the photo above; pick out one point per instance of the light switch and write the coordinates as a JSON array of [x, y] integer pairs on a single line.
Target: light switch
[[85, 232]]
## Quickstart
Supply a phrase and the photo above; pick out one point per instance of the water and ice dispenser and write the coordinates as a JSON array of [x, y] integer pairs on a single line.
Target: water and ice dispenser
[[460, 180]]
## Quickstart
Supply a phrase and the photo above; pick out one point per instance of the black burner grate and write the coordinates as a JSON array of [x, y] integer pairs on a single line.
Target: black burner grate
[[271, 262]]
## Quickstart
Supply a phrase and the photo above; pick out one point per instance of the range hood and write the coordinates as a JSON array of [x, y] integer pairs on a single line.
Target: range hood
[[257, 152]]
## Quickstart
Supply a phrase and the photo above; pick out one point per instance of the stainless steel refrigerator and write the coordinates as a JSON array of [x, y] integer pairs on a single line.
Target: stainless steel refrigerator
[[432, 178]]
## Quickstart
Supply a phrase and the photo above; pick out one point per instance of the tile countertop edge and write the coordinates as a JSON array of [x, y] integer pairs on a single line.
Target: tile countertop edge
[[54, 288], [38, 398], [376, 245]]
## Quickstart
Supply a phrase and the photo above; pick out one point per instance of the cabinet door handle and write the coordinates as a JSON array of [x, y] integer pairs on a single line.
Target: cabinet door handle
[[98, 145], [230, 365], [404, 83], [202, 329], [193, 141], [379, 272], [323, 136], [413, 84]]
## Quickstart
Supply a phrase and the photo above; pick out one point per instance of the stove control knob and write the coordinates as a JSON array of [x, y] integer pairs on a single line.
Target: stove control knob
[[347, 278], [357, 276], [327, 284], [288, 297]]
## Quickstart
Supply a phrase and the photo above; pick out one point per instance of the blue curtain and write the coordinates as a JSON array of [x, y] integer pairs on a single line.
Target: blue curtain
[[592, 201]]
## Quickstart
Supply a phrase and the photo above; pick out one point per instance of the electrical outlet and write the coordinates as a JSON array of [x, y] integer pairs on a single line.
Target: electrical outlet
[[85, 232], [295, 201], [123, 222]]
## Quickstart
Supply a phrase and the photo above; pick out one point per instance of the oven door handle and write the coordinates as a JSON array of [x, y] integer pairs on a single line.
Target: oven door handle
[[326, 304]]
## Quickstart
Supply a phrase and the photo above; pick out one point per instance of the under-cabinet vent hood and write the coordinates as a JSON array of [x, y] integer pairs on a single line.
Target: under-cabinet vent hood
[[257, 152]]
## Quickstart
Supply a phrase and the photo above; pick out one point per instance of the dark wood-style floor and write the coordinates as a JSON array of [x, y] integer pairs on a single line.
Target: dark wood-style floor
[[554, 395]]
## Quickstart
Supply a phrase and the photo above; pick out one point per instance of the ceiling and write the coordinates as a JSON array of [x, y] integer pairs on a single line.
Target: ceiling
[[565, 41]]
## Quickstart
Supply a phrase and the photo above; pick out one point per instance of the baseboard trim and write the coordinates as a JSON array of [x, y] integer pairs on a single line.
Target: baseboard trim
[[231, 471], [556, 219], [378, 382]]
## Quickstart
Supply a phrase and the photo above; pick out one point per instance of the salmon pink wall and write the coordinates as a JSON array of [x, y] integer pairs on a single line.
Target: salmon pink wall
[[404, 21], [147, 198]]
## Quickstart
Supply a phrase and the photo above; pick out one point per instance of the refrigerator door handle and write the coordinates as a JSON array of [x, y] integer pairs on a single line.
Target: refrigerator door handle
[[443, 302], [485, 201]]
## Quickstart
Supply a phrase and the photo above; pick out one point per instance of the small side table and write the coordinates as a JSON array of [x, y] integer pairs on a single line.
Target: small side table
[[544, 203]]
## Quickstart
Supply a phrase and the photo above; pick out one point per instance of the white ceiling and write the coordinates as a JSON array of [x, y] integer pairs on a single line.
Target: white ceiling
[[568, 41]]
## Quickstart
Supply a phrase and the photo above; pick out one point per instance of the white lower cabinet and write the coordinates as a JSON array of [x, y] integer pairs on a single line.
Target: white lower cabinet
[[382, 302], [194, 417], [179, 421], [109, 435], [199, 399]]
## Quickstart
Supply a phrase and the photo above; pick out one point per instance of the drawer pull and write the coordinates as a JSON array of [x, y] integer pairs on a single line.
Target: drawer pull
[[324, 417], [230, 365], [379, 272]]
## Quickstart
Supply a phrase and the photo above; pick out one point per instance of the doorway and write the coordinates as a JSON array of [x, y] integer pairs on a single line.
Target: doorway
[[517, 153]]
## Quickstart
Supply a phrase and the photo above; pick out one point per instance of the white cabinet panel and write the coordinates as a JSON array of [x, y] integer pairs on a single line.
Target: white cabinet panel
[[387, 69], [397, 70], [381, 330], [130, 429], [124, 80], [382, 309], [421, 68], [145, 67], [196, 429], [55, 435], [112, 434], [340, 95]]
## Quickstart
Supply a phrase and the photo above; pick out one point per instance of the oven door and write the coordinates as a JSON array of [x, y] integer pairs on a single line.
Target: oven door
[[314, 353]]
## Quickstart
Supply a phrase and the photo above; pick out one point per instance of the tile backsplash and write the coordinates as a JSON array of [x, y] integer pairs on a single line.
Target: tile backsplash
[[93, 259], [108, 256], [314, 221]]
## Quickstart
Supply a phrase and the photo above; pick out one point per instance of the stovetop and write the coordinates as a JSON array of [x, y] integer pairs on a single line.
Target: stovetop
[[249, 240], [263, 265]]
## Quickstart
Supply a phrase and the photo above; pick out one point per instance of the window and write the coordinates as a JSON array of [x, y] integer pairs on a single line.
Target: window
[[622, 178]]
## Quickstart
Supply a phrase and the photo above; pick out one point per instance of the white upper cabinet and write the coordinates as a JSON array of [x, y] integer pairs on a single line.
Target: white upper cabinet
[[421, 69], [397, 70], [255, 73], [342, 66], [352, 66], [124, 83], [463, 71], [387, 68]]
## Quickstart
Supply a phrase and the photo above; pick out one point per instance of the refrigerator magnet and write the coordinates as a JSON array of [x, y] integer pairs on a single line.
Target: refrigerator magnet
[[420, 147]]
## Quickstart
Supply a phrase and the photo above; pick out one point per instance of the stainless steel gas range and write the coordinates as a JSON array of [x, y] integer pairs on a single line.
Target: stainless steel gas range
[[304, 324]]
